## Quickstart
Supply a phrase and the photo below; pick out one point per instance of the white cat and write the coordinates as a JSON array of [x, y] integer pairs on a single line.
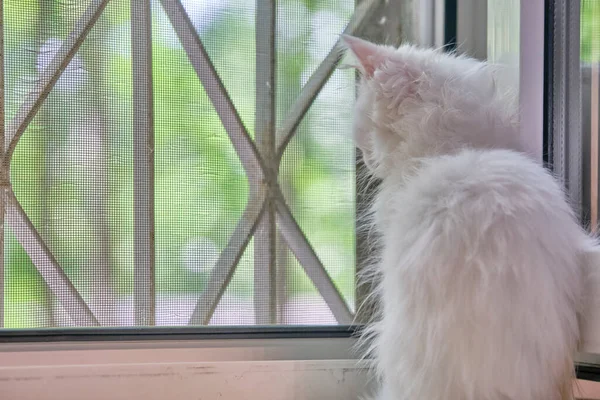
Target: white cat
[[481, 277]]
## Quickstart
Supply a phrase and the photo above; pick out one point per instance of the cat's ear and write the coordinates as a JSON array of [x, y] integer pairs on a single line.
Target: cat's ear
[[369, 56]]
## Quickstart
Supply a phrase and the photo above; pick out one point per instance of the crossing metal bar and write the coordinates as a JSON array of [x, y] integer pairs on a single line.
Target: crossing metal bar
[[228, 260], [312, 88], [241, 140]]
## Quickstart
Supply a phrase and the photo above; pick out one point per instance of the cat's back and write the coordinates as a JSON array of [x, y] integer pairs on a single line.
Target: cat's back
[[478, 190], [500, 181], [481, 276]]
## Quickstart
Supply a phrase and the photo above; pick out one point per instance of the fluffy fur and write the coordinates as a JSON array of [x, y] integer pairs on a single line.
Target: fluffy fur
[[481, 256]]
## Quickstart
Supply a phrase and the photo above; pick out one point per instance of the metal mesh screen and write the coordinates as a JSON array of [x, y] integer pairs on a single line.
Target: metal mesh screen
[[177, 162]]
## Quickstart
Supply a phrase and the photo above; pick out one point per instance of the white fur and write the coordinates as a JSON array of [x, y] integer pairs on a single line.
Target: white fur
[[481, 260]]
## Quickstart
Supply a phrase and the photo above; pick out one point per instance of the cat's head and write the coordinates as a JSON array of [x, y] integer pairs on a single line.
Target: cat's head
[[415, 102]]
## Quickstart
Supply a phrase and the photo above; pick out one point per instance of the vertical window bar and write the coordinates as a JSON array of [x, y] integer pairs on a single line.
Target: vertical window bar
[[589, 126], [594, 106], [450, 20], [265, 238], [548, 142], [143, 162], [4, 178], [565, 103]]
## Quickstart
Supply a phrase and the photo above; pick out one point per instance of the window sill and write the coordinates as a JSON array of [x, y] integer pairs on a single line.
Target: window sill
[[317, 379], [214, 369], [303, 369]]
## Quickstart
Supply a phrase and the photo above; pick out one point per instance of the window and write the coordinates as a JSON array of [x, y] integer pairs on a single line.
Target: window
[[187, 162], [571, 134], [187, 165]]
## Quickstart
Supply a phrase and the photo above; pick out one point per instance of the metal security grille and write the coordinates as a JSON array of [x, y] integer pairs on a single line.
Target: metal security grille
[[267, 223]]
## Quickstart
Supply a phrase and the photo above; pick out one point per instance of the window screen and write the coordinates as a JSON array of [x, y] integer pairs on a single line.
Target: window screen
[[177, 162]]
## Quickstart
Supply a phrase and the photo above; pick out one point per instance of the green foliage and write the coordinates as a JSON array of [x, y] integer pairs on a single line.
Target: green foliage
[[590, 31]]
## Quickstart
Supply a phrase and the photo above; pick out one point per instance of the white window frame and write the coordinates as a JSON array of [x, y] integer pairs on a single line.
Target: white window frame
[[183, 369]]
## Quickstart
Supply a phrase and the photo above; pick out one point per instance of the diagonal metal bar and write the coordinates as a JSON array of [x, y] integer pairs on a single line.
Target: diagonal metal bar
[[285, 133], [241, 140], [228, 260], [306, 256], [265, 238], [143, 163], [46, 264], [50, 76]]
